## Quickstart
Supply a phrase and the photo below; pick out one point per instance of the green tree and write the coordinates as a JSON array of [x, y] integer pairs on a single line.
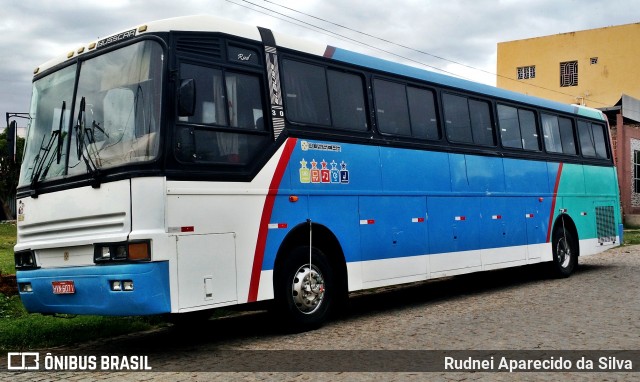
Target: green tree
[[9, 172]]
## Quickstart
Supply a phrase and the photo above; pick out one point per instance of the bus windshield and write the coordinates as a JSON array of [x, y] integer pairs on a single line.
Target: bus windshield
[[116, 114]]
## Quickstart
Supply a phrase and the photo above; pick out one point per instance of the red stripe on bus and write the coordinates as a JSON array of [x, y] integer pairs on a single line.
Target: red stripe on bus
[[553, 202], [266, 217]]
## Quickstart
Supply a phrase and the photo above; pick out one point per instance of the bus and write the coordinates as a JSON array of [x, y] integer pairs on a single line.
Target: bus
[[194, 163]]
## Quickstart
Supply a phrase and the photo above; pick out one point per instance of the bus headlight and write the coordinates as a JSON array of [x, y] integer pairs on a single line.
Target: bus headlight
[[25, 260], [119, 252]]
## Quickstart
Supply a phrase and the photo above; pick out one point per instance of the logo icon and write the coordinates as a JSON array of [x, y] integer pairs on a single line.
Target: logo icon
[[23, 361]]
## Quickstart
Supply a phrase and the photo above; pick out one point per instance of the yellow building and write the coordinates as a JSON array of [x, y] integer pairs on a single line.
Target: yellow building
[[592, 67]]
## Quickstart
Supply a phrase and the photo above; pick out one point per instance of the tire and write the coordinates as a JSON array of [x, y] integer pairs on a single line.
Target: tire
[[565, 253], [305, 297]]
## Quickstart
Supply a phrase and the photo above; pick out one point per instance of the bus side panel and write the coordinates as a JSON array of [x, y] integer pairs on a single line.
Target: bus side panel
[[405, 171], [524, 177], [454, 232], [393, 227], [340, 215], [483, 174], [504, 230]]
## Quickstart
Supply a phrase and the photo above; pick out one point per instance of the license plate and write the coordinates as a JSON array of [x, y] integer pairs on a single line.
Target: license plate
[[63, 287]]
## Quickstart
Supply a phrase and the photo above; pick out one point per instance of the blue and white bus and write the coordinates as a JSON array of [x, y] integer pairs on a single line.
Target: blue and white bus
[[194, 163]]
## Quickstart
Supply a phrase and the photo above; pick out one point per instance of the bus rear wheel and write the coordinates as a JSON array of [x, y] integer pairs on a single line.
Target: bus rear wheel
[[565, 253], [305, 292]]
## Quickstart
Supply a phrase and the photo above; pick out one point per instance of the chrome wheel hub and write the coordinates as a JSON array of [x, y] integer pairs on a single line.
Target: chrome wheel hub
[[307, 289]]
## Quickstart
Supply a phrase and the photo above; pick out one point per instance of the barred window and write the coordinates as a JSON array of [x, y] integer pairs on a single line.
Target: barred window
[[636, 171], [569, 73], [526, 72], [594, 60]]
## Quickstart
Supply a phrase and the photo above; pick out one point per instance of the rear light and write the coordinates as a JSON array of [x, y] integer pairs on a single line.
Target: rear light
[[122, 252], [25, 260]]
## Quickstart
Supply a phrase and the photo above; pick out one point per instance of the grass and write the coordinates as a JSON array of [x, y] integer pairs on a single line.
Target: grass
[[20, 330], [631, 237], [7, 241]]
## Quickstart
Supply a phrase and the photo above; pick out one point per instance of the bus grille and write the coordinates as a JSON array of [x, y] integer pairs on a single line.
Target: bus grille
[[605, 224], [74, 227]]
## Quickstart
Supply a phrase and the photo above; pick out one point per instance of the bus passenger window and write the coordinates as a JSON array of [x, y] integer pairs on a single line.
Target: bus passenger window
[[346, 96], [392, 110], [481, 126], [468, 120], [305, 91], [422, 109], [586, 139], [599, 140], [210, 106], [592, 140], [244, 100], [529, 130], [558, 134], [509, 127], [456, 115], [568, 139], [228, 106], [518, 128]]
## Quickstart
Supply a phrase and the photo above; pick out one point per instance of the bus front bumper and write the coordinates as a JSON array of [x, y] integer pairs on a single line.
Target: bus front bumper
[[93, 291]]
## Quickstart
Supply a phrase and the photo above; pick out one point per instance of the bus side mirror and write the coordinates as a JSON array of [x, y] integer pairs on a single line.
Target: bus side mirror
[[11, 139], [187, 97]]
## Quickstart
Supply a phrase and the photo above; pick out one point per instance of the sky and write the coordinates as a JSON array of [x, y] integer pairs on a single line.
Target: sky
[[459, 37]]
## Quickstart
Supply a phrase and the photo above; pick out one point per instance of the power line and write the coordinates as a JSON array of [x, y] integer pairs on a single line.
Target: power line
[[316, 28], [325, 31], [427, 53]]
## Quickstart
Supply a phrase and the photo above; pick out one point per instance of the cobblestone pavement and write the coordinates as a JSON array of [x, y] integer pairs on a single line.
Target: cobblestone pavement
[[598, 308]]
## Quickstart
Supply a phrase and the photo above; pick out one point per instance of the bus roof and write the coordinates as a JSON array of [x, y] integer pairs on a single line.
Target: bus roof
[[207, 23]]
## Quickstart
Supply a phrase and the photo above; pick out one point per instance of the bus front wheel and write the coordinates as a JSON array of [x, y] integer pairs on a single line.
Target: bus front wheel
[[305, 291], [565, 253]]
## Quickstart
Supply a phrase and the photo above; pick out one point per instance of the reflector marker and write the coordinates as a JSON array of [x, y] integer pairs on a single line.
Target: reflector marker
[[583, 213], [417, 220], [181, 229], [460, 218], [496, 217], [528, 216], [367, 222], [563, 210], [277, 225]]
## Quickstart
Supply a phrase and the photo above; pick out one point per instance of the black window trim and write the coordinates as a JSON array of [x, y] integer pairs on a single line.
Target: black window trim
[[326, 66], [591, 124], [470, 96], [408, 84], [536, 114]]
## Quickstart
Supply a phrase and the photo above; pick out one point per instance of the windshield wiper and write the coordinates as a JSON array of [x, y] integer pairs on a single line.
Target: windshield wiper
[[40, 170], [82, 149]]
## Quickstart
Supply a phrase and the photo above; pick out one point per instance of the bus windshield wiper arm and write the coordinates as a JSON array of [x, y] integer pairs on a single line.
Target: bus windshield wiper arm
[[40, 170], [82, 150]]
